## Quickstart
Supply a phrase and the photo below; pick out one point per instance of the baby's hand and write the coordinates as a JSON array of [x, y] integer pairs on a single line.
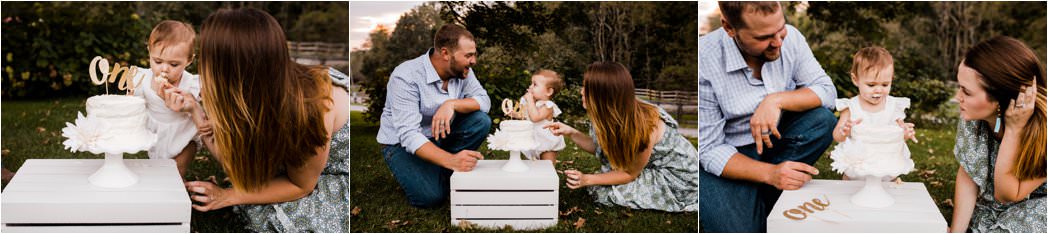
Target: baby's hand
[[160, 84], [908, 132], [846, 129], [529, 97]]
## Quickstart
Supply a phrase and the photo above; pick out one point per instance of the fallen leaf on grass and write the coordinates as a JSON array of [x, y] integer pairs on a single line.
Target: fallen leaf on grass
[[579, 223], [936, 183], [628, 214], [356, 211], [948, 202], [5, 152], [40, 129], [669, 222], [927, 173], [465, 224], [573, 209], [397, 223]]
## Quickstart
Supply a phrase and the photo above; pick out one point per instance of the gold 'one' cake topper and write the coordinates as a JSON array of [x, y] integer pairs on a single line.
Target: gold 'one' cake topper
[[513, 109], [127, 74]]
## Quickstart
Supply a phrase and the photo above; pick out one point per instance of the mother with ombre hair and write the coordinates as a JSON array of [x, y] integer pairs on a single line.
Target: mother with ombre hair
[[1000, 140], [278, 128], [645, 162]]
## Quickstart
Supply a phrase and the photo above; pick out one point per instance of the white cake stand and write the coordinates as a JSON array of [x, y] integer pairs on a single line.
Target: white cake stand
[[872, 194], [113, 173], [515, 164]]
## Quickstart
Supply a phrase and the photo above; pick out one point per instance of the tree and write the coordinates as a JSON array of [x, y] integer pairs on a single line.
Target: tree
[[412, 36], [517, 38]]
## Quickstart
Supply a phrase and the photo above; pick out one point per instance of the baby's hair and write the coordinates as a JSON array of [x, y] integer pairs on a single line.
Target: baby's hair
[[873, 58], [169, 32], [555, 81]]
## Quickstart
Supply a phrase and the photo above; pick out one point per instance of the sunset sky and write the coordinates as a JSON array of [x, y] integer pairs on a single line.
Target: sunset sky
[[366, 16]]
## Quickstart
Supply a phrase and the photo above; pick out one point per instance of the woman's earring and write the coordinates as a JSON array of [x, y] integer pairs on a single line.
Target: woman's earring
[[997, 126]]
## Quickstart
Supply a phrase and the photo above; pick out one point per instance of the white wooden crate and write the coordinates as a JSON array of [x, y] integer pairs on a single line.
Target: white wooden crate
[[53, 195], [913, 211], [492, 198]]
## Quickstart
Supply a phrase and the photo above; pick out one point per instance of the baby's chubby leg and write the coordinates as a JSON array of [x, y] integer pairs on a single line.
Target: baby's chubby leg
[[549, 155], [184, 158]]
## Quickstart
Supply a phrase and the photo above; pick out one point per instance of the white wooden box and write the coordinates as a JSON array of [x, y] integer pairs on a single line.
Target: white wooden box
[[53, 195], [492, 198], [913, 211]]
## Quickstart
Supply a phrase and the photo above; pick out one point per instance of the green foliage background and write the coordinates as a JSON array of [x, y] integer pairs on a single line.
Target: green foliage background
[[927, 40], [657, 41], [47, 46]]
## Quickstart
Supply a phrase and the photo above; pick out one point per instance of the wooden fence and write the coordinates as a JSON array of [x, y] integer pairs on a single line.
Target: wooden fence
[[320, 51], [678, 103]]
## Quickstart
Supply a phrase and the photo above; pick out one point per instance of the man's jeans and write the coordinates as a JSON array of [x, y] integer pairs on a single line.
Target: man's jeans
[[427, 184], [728, 205]]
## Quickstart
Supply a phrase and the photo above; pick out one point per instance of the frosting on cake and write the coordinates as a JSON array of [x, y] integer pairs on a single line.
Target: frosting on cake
[[513, 135], [126, 119], [872, 151]]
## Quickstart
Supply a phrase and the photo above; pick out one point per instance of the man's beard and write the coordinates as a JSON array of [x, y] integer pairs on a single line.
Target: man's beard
[[763, 56], [460, 72]]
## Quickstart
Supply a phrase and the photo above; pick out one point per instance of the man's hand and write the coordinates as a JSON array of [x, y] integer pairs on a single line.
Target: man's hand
[[790, 175], [464, 160], [441, 124], [765, 121]]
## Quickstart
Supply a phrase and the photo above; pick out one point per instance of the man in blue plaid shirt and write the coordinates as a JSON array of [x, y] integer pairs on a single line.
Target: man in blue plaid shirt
[[764, 115]]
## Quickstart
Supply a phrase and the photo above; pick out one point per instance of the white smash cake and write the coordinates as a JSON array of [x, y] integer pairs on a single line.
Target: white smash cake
[[875, 147], [114, 124], [513, 135]]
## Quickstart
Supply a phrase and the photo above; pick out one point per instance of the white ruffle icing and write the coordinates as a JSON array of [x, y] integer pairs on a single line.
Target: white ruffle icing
[[876, 146], [519, 137]]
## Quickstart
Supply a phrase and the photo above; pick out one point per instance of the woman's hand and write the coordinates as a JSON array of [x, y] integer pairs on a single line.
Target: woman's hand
[[908, 130], [178, 100], [561, 129], [575, 179], [210, 196], [1020, 109]]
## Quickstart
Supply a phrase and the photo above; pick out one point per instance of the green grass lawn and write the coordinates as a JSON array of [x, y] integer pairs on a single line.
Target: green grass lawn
[[935, 166], [379, 205], [33, 130]]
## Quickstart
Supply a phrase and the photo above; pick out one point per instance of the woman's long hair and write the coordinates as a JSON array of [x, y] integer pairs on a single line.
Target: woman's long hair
[[623, 124], [267, 111], [1005, 65]]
